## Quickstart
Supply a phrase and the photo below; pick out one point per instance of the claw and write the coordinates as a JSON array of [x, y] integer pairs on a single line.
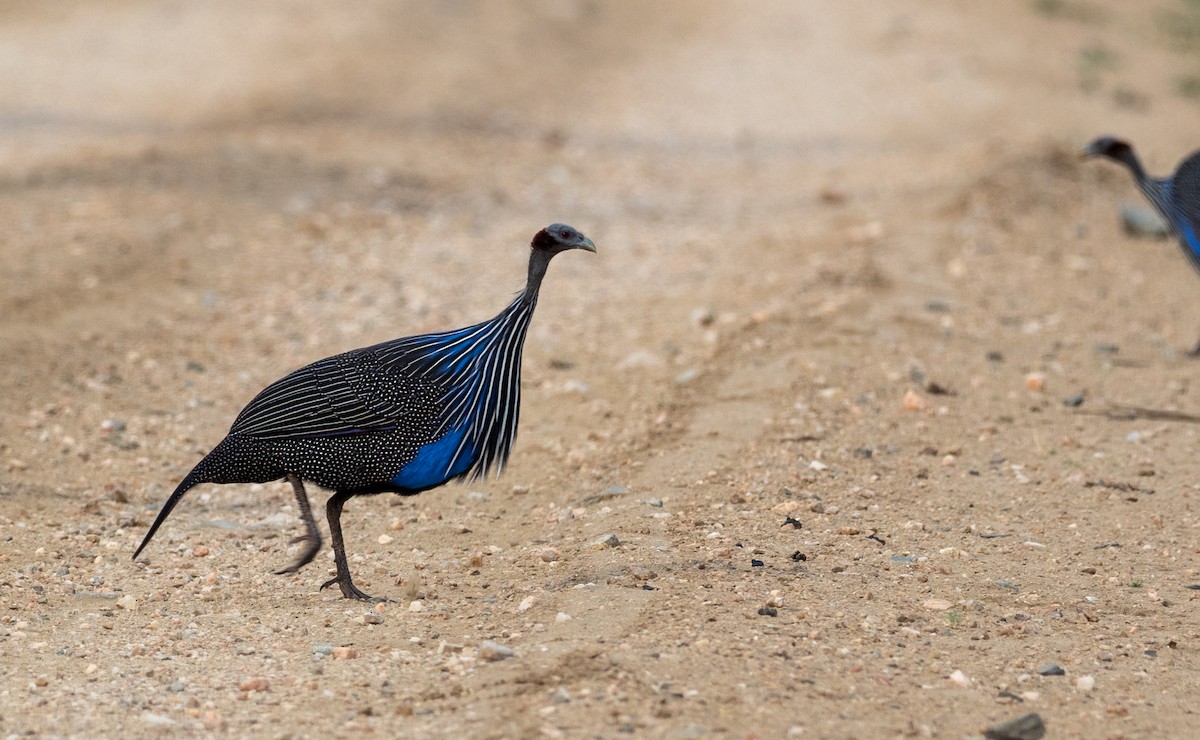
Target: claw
[[349, 590], [306, 555]]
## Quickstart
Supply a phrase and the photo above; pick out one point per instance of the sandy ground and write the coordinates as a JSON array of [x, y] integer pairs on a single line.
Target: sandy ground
[[849, 269]]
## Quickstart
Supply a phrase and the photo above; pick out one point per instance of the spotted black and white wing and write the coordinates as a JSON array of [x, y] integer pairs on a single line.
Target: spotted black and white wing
[[465, 383], [351, 393]]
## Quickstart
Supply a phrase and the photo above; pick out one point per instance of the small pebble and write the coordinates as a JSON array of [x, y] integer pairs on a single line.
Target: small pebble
[[255, 684], [1074, 401], [1051, 669], [959, 679], [200, 552], [109, 426], [128, 602], [653, 501], [213, 721], [1141, 221], [1026, 727], [912, 401], [936, 605], [371, 618], [323, 648], [384, 539], [768, 611], [344, 653], [1085, 683], [604, 542], [1035, 382], [494, 651], [527, 603], [416, 606], [562, 617], [640, 572]]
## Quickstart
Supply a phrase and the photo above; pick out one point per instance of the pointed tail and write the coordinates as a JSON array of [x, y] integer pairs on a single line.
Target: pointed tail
[[193, 478]]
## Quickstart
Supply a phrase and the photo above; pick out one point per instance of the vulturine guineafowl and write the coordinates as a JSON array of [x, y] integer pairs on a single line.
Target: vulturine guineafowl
[[403, 416], [1176, 198]]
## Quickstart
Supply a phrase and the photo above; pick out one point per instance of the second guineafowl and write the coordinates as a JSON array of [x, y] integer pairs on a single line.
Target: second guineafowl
[[1176, 198], [403, 416]]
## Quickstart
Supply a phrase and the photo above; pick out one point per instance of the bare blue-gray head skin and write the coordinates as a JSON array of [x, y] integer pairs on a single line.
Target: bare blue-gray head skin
[[557, 238], [548, 242], [1118, 150]]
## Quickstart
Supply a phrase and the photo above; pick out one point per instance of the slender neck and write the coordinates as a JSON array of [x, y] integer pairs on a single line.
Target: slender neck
[[538, 261], [1130, 160]]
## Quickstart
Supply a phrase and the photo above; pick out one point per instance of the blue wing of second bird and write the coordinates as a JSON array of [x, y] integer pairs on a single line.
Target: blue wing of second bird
[[1183, 193]]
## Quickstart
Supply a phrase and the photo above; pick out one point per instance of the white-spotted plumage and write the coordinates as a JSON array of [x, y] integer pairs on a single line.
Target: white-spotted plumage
[[401, 416]]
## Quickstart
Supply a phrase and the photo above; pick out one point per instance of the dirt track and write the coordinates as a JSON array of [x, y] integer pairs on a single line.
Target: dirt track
[[837, 247]]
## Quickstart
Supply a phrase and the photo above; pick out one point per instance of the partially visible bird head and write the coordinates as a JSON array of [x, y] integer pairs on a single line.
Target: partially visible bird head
[[1109, 146], [557, 238]]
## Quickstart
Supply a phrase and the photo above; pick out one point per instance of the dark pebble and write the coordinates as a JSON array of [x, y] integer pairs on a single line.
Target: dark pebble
[[876, 538], [1074, 401], [934, 388], [768, 611], [795, 523], [1026, 727], [1051, 669], [937, 306], [756, 563], [799, 557], [903, 559], [1195, 587], [863, 453], [1104, 348], [1151, 653], [995, 356]]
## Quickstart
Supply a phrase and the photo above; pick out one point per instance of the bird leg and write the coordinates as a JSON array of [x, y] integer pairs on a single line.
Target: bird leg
[[311, 535], [333, 512]]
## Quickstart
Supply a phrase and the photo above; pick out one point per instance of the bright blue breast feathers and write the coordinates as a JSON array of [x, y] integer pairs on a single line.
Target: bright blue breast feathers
[[437, 462], [479, 371]]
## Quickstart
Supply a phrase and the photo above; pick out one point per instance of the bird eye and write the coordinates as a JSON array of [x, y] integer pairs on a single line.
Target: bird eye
[[565, 234]]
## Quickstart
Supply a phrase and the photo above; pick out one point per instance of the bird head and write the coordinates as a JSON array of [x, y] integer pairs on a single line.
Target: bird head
[[1108, 146], [557, 238]]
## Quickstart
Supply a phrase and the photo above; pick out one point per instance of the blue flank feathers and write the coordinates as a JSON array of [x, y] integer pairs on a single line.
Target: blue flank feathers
[[435, 463]]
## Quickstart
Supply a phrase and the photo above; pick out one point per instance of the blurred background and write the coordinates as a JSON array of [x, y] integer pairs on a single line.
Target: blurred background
[[803, 210]]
